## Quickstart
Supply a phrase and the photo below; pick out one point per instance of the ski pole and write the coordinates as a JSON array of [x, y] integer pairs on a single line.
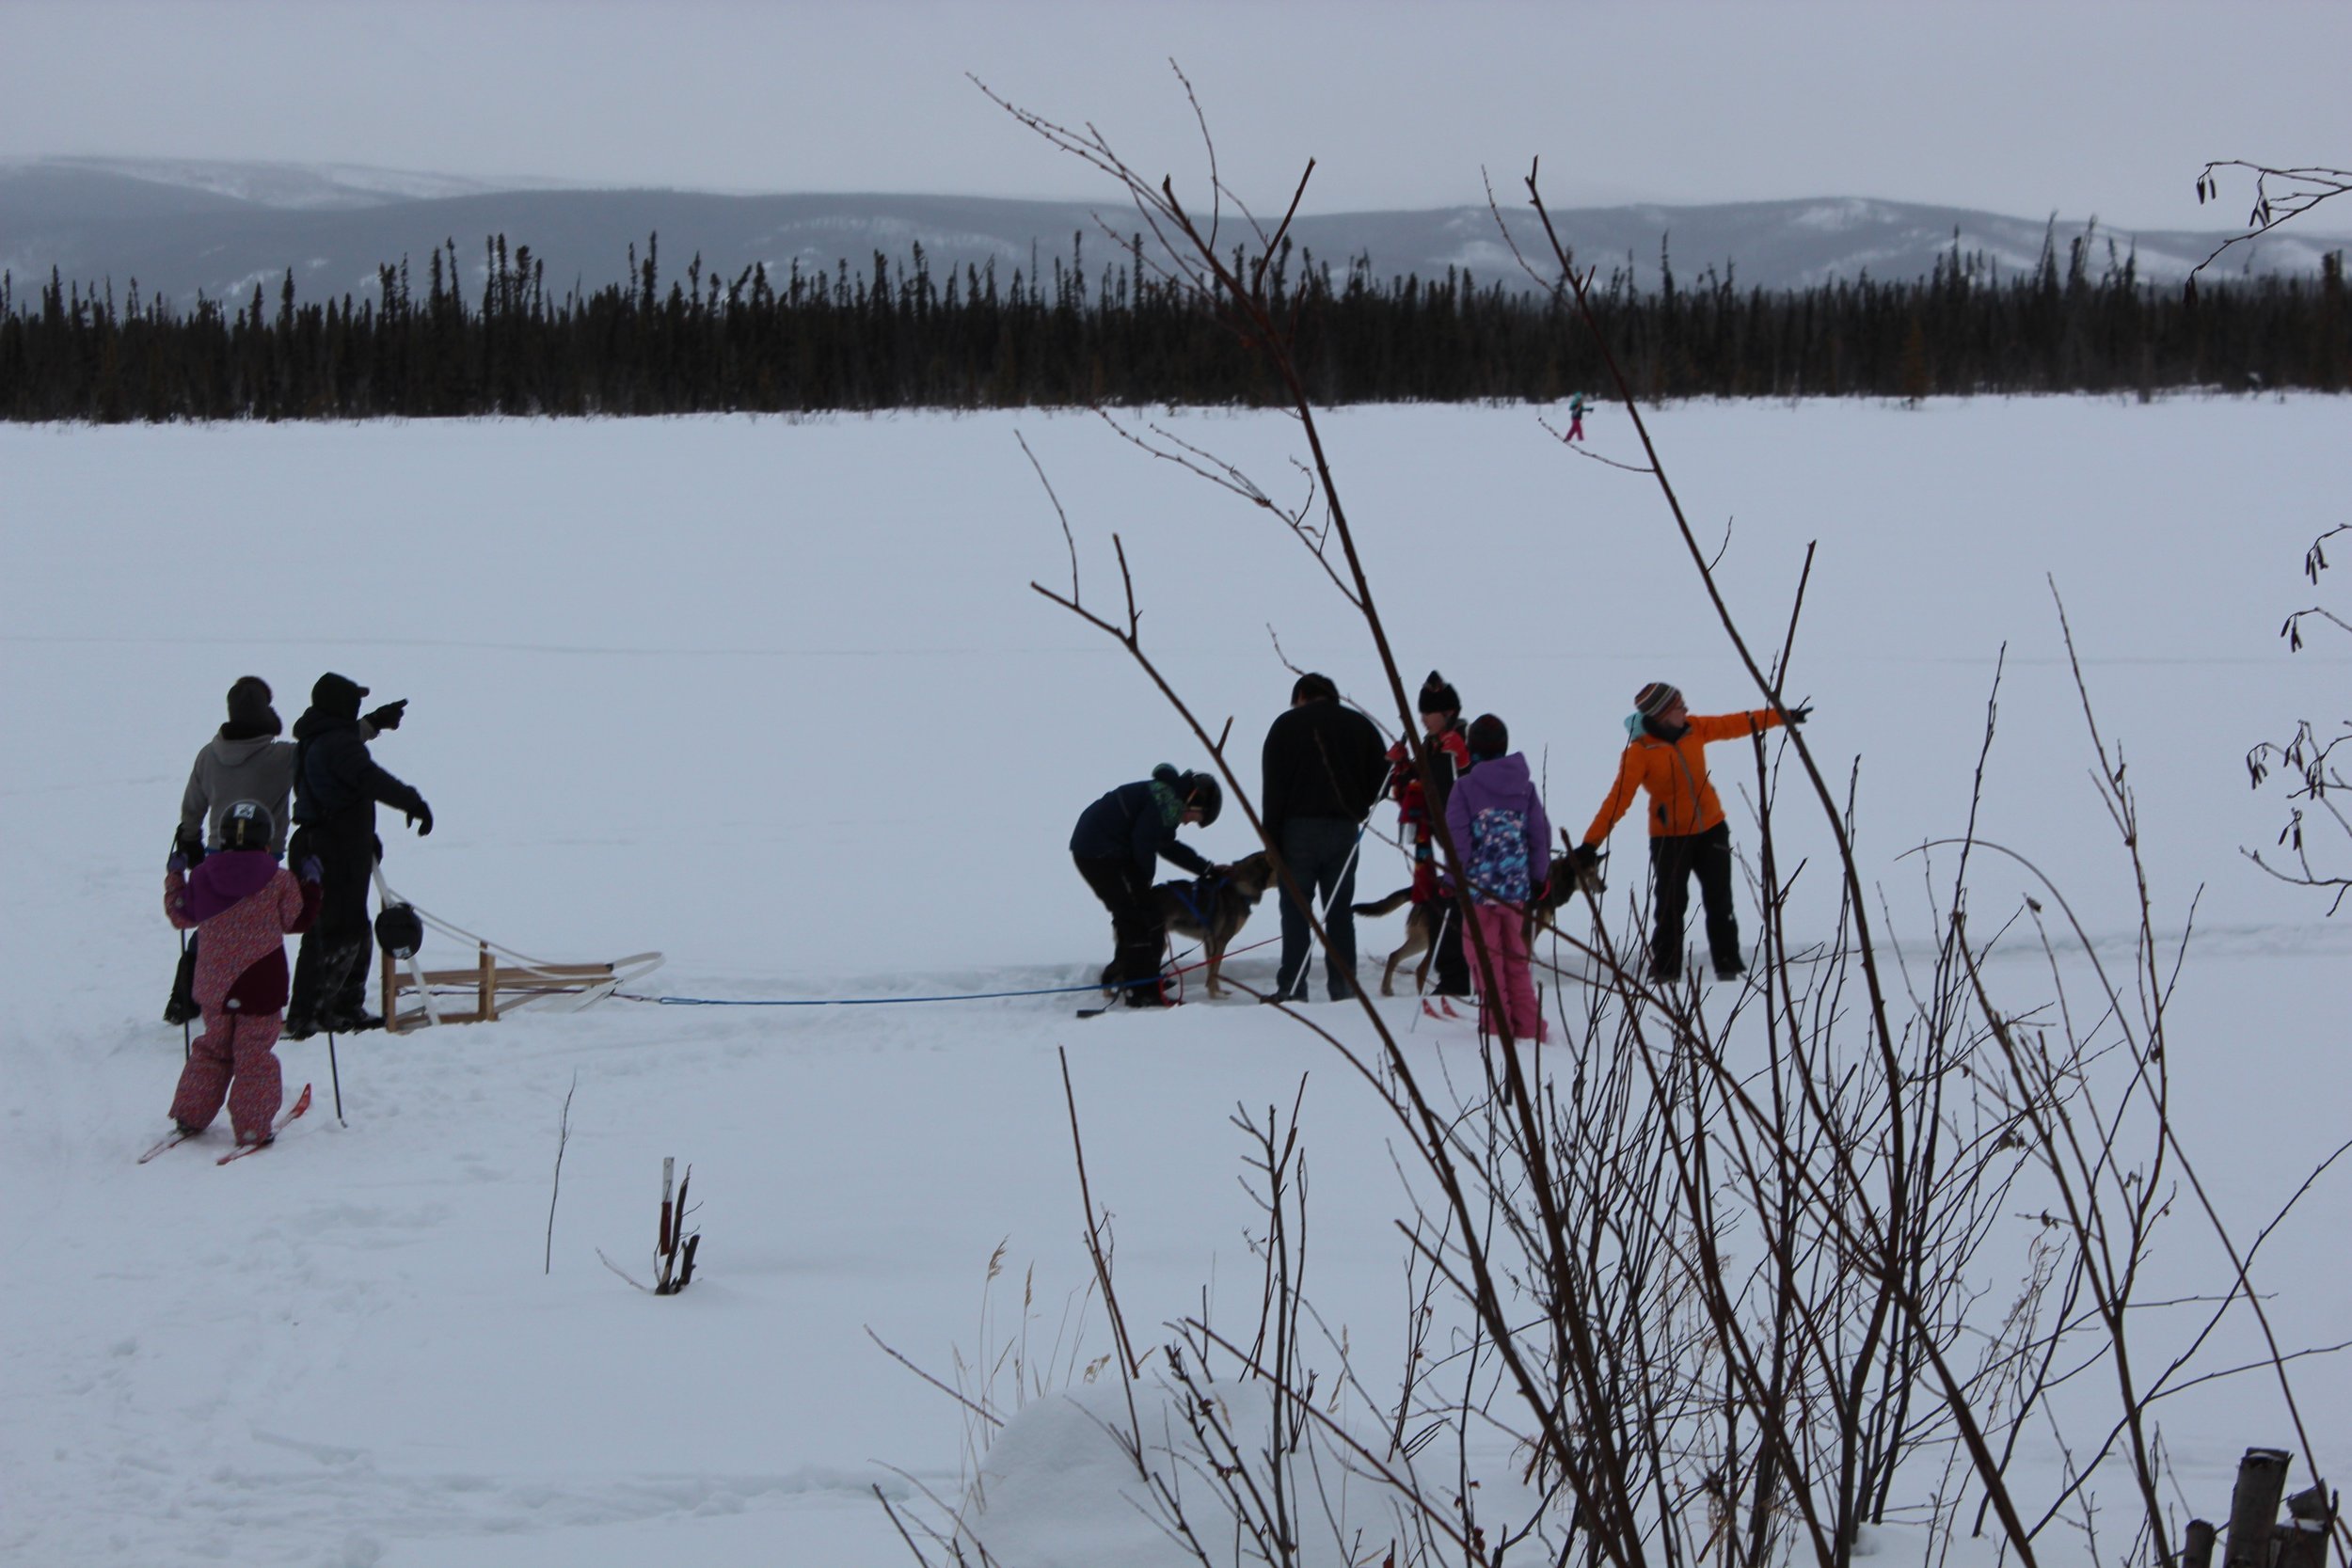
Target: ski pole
[[1346, 866], [336, 1076], [187, 1047]]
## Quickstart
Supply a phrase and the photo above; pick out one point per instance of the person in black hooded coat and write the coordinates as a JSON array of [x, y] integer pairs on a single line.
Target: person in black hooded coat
[[337, 788]]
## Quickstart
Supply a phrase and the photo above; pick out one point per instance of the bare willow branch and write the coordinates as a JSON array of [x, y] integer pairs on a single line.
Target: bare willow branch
[[2296, 191]]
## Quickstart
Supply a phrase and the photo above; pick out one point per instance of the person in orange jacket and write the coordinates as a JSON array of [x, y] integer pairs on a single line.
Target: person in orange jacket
[[1665, 758]]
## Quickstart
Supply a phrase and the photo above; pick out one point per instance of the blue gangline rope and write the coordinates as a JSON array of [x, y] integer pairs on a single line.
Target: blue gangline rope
[[955, 996], [859, 1001]]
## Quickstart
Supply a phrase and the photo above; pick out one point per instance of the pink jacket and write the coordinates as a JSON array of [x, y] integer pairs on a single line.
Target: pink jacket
[[243, 904]]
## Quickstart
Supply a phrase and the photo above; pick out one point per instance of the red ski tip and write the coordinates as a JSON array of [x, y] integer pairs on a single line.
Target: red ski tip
[[302, 1104]]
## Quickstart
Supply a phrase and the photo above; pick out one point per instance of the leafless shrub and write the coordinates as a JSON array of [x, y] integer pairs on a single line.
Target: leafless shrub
[[2309, 762], [2280, 195], [1721, 1267], [673, 1246]]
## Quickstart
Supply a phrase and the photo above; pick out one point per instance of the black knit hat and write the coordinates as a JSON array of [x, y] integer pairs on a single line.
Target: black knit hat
[[1655, 699], [248, 708], [1489, 738], [1437, 697]]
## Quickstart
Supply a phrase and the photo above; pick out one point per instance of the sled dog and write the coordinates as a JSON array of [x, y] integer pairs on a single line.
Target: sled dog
[[1211, 910], [1421, 927]]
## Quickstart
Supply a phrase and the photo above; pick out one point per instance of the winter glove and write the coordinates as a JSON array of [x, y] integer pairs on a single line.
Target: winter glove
[[420, 819], [311, 870], [189, 846], [388, 717], [1587, 856], [1799, 714]]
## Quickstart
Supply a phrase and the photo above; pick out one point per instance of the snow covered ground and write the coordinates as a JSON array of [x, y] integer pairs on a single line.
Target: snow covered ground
[[776, 699]]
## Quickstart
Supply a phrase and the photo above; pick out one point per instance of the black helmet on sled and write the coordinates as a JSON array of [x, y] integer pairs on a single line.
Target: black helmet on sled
[[1204, 793], [398, 930], [246, 825]]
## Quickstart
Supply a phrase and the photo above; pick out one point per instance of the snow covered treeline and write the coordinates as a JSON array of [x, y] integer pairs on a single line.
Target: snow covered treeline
[[895, 334]]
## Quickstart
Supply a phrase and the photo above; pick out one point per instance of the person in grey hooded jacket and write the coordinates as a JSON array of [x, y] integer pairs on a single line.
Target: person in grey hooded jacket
[[245, 760]]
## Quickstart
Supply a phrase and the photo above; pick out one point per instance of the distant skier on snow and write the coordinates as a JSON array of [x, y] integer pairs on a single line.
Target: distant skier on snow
[[245, 905], [337, 787], [1117, 846], [1576, 418]]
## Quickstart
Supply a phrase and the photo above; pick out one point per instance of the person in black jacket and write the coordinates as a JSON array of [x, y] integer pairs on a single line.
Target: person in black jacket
[[1325, 768], [1119, 844], [337, 786]]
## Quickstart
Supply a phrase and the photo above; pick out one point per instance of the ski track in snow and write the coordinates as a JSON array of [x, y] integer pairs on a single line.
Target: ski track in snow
[[777, 700]]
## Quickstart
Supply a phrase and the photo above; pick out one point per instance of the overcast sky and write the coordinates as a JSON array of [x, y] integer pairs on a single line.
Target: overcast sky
[[2081, 106]]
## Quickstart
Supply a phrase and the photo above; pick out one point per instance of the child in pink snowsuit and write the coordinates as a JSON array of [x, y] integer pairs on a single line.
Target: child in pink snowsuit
[[1504, 840], [244, 904]]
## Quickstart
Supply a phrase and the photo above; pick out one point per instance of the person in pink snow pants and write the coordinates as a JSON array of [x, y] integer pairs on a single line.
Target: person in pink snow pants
[[243, 904], [1505, 841]]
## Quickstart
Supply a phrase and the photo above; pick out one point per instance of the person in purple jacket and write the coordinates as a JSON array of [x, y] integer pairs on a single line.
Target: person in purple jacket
[[1504, 841]]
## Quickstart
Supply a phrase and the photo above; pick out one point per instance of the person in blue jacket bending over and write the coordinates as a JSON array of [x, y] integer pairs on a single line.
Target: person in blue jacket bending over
[[1119, 844]]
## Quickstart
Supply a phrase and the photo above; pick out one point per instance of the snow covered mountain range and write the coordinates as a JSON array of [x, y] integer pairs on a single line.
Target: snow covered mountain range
[[182, 227]]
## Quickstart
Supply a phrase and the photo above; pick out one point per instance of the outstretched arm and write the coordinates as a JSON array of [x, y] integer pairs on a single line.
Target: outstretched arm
[[1732, 726], [359, 774], [1186, 855], [1619, 799]]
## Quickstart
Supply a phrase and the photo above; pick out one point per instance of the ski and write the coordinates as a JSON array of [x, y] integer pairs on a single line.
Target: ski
[[302, 1104], [173, 1140]]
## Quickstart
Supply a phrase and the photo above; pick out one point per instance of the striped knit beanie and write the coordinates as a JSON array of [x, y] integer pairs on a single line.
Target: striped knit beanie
[[1655, 699]]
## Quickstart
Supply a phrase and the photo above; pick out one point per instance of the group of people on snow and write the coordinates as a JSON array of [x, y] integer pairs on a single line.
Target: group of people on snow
[[1324, 768], [255, 804]]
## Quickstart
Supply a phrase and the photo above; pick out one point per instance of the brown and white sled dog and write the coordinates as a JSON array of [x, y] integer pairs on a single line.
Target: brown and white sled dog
[[1211, 911], [1421, 927]]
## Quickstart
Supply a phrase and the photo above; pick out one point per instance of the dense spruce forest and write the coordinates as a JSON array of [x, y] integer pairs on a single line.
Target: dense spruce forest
[[899, 336]]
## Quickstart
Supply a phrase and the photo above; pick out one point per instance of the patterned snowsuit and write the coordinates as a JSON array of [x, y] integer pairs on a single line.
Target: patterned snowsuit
[[243, 904], [1505, 839]]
